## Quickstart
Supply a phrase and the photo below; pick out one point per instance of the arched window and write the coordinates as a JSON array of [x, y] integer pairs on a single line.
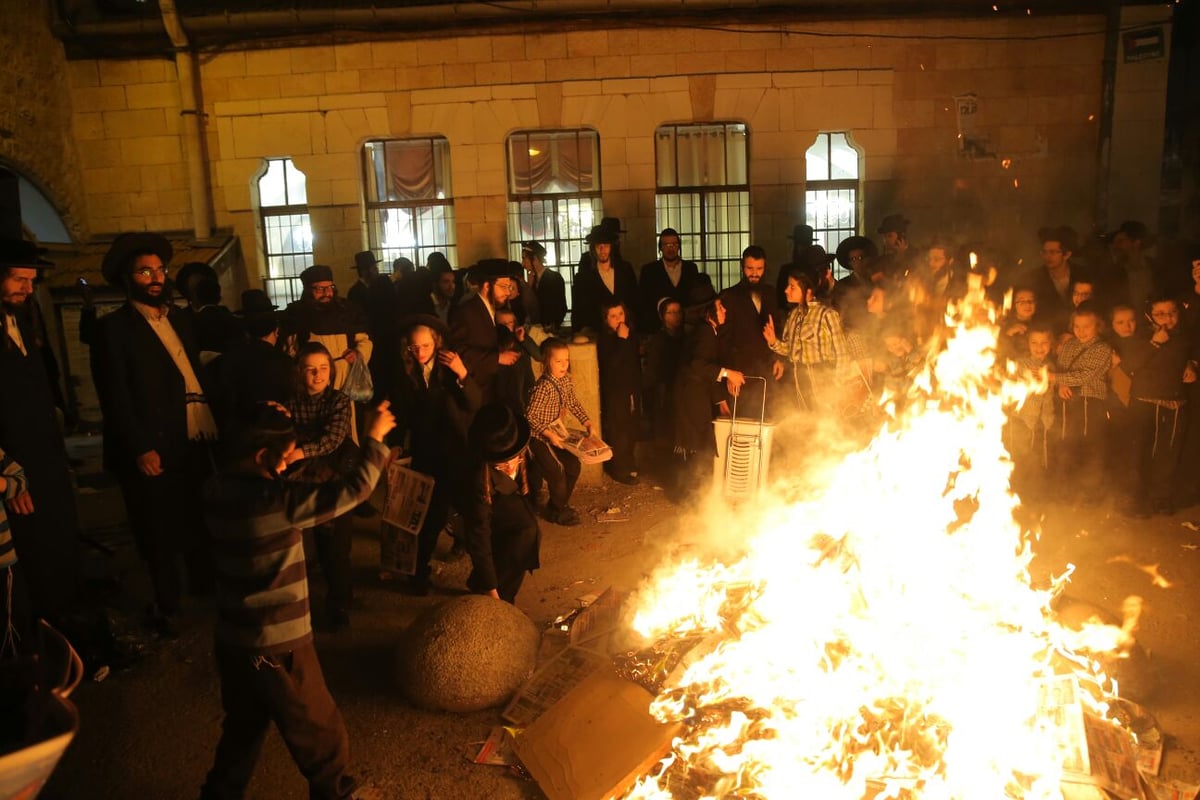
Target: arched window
[[554, 195], [410, 205], [287, 237], [832, 190], [38, 214], [704, 193]]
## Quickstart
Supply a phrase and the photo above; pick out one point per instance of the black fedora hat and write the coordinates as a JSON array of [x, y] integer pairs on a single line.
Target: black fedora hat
[[489, 269], [813, 258], [894, 223], [612, 224], [431, 321], [21, 253], [126, 247], [317, 273], [191, 271], [537, 249], [802, 233], [601, 235], [497, 434], [700, 294], [256, 303], [855, 243], [365, 259]]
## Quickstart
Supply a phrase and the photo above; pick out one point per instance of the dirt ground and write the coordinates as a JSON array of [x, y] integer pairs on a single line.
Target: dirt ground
[[148, 731]]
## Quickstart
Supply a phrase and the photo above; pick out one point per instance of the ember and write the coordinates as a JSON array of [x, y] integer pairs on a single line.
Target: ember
[[894, 649]]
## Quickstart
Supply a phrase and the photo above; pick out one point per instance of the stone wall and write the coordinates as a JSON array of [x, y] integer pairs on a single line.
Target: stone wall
[[1034, 134], [35, 111]]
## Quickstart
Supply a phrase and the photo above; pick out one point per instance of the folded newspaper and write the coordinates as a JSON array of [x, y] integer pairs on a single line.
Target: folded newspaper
[[588, 449]]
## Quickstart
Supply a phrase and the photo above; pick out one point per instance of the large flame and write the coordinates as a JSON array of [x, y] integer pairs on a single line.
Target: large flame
[[880, 635]]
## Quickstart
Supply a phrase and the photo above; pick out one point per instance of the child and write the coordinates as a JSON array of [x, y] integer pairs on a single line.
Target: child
[[266, 661], [1159, 366], [899, 364], [514, 381], [1081, 385], [1123, 326], [1015, 326], [1027, 440], [620, 391], [552, 396], [323, 417]]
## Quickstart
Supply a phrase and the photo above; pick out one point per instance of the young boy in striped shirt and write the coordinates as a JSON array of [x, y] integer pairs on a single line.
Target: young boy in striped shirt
[[264, 643]]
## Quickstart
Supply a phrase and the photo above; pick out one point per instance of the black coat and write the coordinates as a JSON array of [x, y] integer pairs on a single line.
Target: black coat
[[47, 540], [697, 390], [551, 292], [742, 333], [436, 417], [217, 329], [474, 337], [654, 285], [141, 391], [590, 294]]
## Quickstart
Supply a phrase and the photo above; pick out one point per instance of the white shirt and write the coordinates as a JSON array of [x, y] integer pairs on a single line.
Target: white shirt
[[609, 276], [14, 332], [200, 422]]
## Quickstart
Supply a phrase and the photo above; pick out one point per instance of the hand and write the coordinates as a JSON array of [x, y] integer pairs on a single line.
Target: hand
[[150, 464], [723, 408], [1015, 329], [769, 332], [734, 381], [777, 370], [22, 504], [553, 438], [623, 331], [297, 454], [350, 356], [1116, 360], [280, 407], [509, 357], [590, 427], [1189, 373], [380, 421], [1160, 335], [452, 360], [1065, 392]]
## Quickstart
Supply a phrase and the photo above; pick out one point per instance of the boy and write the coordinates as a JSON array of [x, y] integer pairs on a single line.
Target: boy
[[14, 602], [552, 396], [264, 643], [1028, 442], [1081, 386], [900, 364], [1123, 326], [1159, 366]]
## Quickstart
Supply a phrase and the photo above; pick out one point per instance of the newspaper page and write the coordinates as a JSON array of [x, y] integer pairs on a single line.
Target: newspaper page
[[588, 449]]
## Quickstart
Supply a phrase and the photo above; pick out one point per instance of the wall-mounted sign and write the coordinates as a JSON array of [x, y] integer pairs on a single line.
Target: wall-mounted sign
[[1143, 44]]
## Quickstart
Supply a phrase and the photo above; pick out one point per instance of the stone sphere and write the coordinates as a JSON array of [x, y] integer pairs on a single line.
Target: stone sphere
[[466, 654]]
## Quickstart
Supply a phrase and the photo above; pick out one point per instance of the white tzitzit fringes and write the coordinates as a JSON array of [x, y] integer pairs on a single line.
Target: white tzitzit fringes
[[8, 645]]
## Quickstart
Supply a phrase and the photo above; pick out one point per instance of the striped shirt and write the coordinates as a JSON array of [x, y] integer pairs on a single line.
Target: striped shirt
[[14, 484], [548, 401], [262, 583], [1085, 367]]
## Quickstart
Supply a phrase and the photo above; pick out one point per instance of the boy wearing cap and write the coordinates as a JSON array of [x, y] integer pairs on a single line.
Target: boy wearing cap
[[547, 285]]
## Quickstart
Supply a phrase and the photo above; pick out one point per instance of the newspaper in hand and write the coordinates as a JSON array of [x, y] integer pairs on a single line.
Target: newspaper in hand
[[588, 449]]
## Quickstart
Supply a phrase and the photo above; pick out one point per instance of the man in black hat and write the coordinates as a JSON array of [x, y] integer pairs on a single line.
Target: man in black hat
[[547, 286], [255, 370], [366, 266], [217, 329], [503, 537], [157, 420], [849, 298], [897, 259], [671, 276], [473, 333], [749, 305], [42, 519], [602, 279]]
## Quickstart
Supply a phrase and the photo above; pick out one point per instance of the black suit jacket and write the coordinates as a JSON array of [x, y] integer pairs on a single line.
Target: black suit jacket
[[654, 285], [590, 294], [743, 327], [473, 336], [141, 390], [551, 294]]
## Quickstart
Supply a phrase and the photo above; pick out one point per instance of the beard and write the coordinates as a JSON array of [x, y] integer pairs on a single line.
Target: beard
[[143, 295]]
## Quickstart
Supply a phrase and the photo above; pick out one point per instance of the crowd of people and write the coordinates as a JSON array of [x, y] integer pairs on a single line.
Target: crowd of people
[[241, 440]]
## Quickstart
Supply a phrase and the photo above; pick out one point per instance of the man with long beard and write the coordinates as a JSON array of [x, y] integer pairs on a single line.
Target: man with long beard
[[157, 421], [749, 305], [42, 517]]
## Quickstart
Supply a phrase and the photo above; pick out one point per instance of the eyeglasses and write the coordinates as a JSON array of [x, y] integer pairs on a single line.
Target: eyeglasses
[[150, 272], [322, 289], [857, 258]]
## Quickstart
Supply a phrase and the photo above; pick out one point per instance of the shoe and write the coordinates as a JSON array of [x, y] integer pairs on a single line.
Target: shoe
[[628, 478], [365, 511], [566, 517]]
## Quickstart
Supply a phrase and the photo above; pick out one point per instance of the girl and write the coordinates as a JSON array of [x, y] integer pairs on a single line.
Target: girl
[[812, 342], [620, 391]]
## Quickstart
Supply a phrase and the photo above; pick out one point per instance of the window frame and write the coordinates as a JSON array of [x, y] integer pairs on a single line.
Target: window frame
[[696, 244], [826, 235], [284, 288], [419, 252]]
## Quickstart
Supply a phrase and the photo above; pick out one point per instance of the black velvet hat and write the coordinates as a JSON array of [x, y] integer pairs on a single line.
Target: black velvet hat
[[120, 255], [497, 434]]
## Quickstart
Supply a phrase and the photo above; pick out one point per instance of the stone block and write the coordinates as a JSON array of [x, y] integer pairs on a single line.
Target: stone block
[[345, 81], [876, 77], [98, 98], [581, 88], [508, 48], [96, 153], [459, 74], [886, 55], [527, 113], [236, 108], [151, 150], [126, 124], [613, 66], [512, 91], [110, 180], [702, 93], [152, 95], [378, 79], [796, 80], [278, 105], [345, 129], [436, 51], [640, 175], [353, 57], [359, 100], [81, 74], [260, 137], [765, 171], [626, 86], [424, 77], [312, 59], [876, 141], [571, 69], [310, 84], [839, 77], [495, 207], [451, 96], [789, 58], [253, 88], [394, 54], [654, 65], [88, 125], [164, 177], [755, 80], [399, 110], [268, 62], [489, 74], [229, 64], [883, 114], [529, 71], [622, 40], [119, 72], [540, 46], [587, 43], [745, 61]]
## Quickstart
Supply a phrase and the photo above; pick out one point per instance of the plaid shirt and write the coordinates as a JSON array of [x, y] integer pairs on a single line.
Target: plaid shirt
[[14, 478], [1085, 367], [548, 400], [812, 335], [322, 421]]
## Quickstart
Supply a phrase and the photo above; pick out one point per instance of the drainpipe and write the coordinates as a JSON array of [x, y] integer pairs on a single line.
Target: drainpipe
[[188, 72], [1108, 85]]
